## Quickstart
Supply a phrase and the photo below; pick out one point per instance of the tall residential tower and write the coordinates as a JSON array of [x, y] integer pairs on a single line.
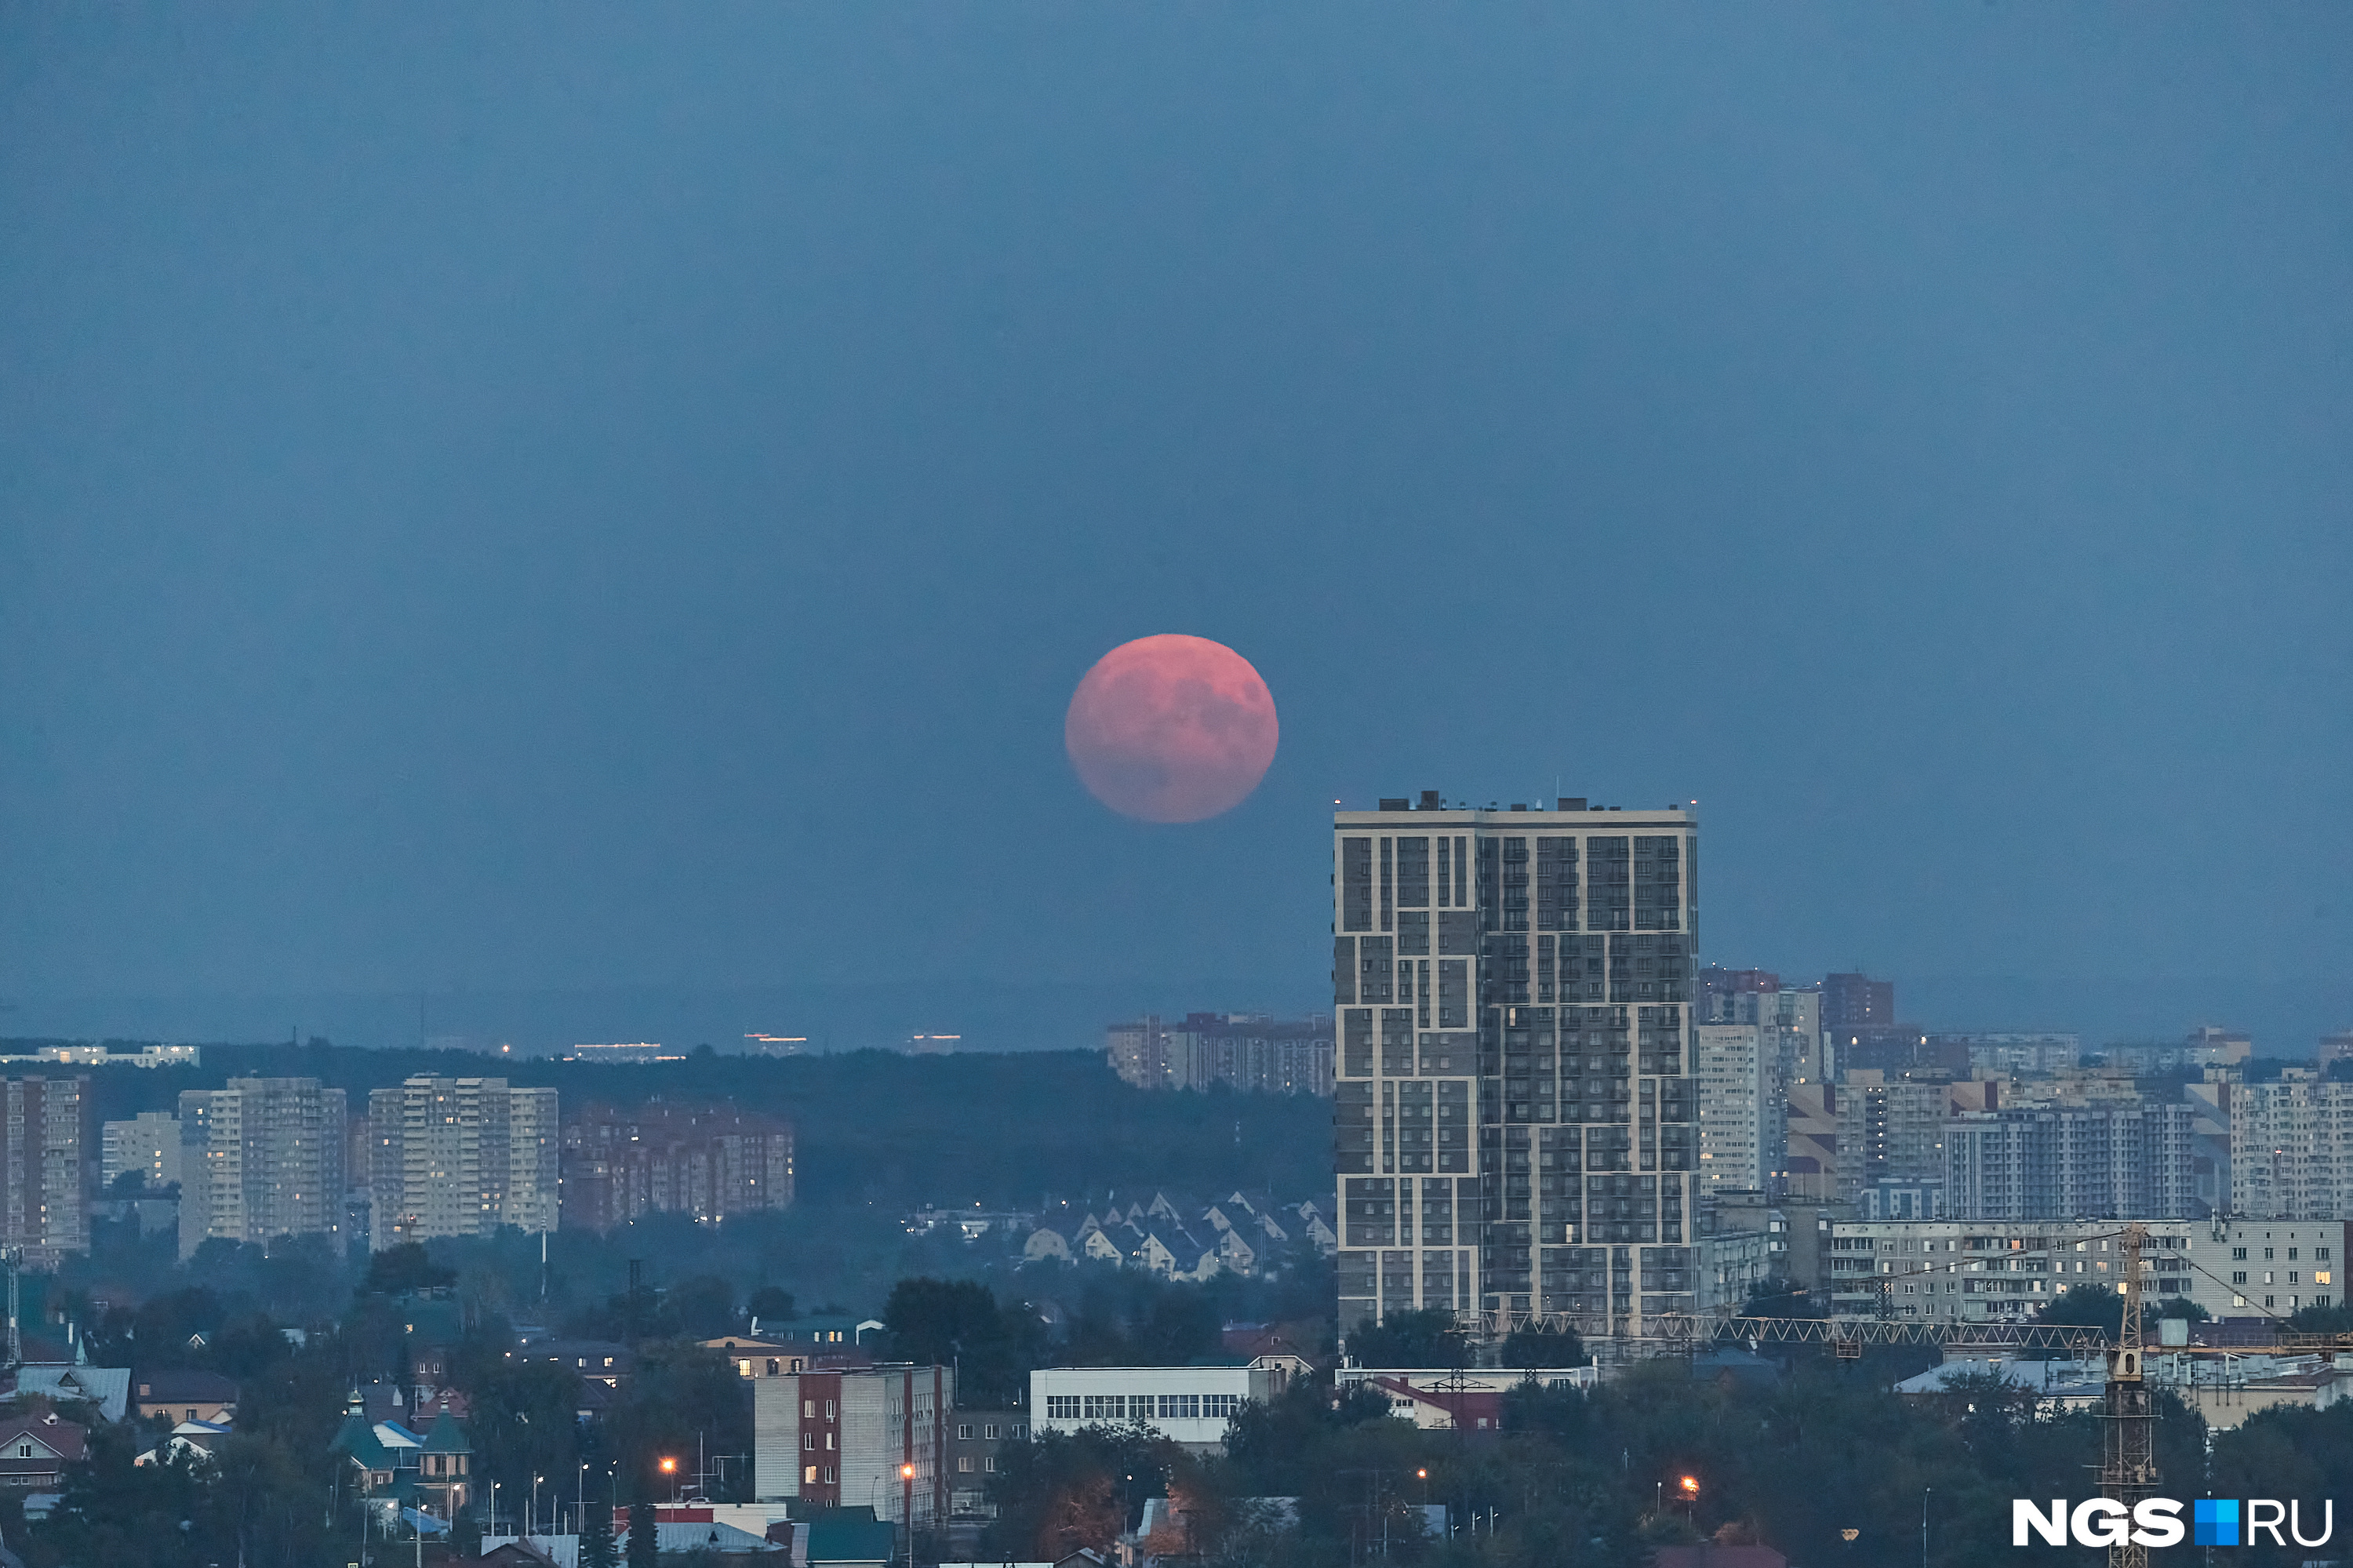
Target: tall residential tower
[[1516, 1121]]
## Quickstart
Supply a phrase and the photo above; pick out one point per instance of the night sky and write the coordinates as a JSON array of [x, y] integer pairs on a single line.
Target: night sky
[[545, 499]]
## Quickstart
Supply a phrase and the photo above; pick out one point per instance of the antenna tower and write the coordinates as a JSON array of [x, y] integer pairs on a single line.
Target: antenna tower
[[2128, 1467]]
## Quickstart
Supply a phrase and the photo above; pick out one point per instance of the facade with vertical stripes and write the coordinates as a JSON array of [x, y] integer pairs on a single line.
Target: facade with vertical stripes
[[1514, 1115]]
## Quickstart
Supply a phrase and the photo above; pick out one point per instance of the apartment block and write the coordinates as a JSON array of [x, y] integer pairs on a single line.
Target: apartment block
[[1516, 1121], [260, 1158], [712, 1161], [1742, 1107], [846, 1438], [2049, 1164], [1979, 1271], [1240, 1050], [1890, 1129], [2292, 1148], [43, 1207], [460, 1157], [148, 1143]]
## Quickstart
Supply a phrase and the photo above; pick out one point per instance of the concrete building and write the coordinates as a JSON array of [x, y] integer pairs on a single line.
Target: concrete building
[[1812, 1139], [98, 1055], [2210, 1137], [2048, 1164], [1982, 1271], [2292, 1148], [712, 1162], [1743, 1121], [260, 1158], [863, 1436], [44, 1208], [460, 1157], [148, 1143], [2015, 1052], [1890, 1129], [1240, 1050], [1517, 1126], [1188, 1405]]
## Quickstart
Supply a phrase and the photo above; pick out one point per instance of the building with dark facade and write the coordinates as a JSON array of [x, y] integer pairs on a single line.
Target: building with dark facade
[[712, 1162], [44, 1144], [1516, 1121]]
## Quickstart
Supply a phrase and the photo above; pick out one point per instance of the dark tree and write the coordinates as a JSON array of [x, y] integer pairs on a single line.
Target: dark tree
[[1428, 1339], [596, 1537], [645, 1540], [1540, 1345], [397, 1271]]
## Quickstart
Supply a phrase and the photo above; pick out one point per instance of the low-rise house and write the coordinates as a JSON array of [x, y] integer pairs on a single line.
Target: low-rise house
[[36, 1449], [444, 1467], [184, 1395], [761, 1357], [108, 1388], [608, 1362]]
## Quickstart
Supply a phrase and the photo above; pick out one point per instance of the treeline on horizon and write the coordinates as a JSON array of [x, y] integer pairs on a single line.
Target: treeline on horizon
[[871, 1127]]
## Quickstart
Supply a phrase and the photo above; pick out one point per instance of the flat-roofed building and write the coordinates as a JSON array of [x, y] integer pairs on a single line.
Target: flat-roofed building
[[148, 1143], [43, 1135], [1979, 1271], [1516, 1122], [260, 1158], [857, 1436]]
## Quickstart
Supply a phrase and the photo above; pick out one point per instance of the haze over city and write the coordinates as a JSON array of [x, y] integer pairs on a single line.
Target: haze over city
[[597, 519]]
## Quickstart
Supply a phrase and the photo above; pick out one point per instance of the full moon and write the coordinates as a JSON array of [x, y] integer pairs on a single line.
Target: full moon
[[1171, 729]]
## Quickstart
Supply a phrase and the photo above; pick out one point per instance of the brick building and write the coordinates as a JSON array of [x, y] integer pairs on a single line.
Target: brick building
[[712, 1162]]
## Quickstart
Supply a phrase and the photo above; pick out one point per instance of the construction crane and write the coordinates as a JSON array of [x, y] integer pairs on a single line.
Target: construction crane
[[15, 1259], [2128, 1457]]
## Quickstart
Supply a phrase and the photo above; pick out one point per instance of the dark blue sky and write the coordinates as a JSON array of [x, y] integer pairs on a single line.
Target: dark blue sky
[[554, 497]]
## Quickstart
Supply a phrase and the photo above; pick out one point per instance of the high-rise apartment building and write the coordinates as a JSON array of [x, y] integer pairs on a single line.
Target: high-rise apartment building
[[2069, 1164], [1757, 1045], [1857, 1004], [260, 1158], [1890, 1130], [2292, 1148], [148, 1143], [712, 1162], [1515, 1122], [460, 1157], [43, 1204], [1138, 1052], [1240, 1050], [1743, 1116]]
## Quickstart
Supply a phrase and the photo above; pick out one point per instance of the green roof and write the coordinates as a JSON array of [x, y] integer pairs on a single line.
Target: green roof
[[358, 1439], [850, 1535], [447, 1437]]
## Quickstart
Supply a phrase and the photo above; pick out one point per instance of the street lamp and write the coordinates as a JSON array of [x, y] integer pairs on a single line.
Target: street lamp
[[669, 1469]]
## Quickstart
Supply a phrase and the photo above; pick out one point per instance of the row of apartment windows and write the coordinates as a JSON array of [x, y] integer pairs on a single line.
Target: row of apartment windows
[[988, 1429]]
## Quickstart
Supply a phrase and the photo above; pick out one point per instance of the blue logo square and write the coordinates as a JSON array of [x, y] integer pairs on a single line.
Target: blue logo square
[[2214, 1521]]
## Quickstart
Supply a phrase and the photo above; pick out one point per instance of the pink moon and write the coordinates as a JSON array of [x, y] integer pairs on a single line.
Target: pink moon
[[1171, 729]]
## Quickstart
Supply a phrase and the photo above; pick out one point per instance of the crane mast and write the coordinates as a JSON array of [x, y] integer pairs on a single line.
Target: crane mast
[[2128, 1466]]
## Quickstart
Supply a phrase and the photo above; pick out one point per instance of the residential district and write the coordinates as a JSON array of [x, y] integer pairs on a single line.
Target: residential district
[[1580, 1181]]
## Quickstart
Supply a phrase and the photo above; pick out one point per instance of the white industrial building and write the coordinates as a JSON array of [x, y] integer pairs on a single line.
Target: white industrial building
[[1185, 1404]]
